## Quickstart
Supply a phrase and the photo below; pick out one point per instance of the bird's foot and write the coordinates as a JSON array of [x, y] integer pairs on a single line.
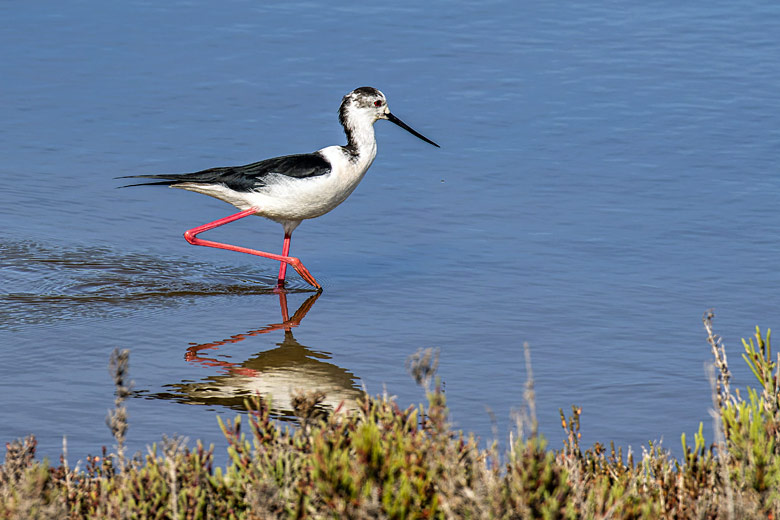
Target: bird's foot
[[301, 270]]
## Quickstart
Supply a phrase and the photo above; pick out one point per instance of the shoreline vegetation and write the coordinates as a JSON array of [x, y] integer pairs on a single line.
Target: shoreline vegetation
[[382, 461]]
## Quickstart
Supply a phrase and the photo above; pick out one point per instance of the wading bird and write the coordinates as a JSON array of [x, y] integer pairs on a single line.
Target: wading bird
[[292, 188]]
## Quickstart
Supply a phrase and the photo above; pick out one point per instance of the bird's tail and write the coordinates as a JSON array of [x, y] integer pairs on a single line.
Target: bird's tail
[[168, 179]]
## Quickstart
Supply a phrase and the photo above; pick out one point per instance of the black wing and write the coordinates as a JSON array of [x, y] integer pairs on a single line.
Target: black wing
[[247, 177]]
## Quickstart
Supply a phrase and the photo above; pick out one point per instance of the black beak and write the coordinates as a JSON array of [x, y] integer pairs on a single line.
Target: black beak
[[393, 119]]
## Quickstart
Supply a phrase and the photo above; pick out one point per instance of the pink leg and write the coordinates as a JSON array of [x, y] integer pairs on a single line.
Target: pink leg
[[283, 265], [191, 236]]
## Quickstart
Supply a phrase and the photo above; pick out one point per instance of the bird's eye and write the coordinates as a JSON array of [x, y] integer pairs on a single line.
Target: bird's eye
[[378, 103]]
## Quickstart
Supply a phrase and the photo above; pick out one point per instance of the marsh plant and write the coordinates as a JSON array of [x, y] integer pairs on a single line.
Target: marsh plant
[[386, 462]]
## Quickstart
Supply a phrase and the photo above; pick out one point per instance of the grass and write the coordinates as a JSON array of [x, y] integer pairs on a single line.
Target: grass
[[386, 462]]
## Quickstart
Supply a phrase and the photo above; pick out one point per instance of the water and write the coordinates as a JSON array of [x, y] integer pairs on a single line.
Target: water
[[607, 174]]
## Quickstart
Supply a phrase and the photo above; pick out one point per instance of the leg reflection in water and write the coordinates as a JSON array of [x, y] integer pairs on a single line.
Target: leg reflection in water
[[275, 374]]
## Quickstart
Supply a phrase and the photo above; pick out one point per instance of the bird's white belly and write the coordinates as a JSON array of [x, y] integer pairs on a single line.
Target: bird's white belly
[[290, 199], [300, 199]]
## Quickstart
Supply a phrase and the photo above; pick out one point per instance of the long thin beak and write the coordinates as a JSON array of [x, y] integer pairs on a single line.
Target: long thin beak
[[393, 119]]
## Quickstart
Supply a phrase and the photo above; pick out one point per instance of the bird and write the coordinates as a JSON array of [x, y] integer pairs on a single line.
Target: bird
[[292, 188]]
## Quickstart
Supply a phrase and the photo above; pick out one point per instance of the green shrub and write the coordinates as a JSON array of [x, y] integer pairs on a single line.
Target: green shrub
[[382, 461]]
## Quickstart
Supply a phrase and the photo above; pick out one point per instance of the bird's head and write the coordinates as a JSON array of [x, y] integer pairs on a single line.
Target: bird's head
[[367, 104]]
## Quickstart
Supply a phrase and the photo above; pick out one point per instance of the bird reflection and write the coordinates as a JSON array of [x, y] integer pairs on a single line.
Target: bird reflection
[[274, 374]]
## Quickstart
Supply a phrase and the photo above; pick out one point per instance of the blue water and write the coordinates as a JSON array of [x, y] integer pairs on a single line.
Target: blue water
[[607, 174]]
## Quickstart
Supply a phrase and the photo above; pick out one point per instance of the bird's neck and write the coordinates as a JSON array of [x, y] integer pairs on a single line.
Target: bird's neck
[[361, 141]]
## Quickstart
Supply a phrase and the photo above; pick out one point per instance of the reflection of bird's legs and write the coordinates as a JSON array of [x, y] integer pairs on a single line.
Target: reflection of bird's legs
[[283, 306], [191, 235], [287, 324], [304, 309]]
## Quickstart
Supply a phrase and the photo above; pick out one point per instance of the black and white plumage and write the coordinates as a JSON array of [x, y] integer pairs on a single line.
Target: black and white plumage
[[275, 186], [292, 188]]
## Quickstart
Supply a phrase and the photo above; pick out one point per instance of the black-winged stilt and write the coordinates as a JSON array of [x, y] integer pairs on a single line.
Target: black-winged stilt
[[293, 188]]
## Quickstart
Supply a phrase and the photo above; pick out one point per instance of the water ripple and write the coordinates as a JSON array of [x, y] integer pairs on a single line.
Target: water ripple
[[42, 284]]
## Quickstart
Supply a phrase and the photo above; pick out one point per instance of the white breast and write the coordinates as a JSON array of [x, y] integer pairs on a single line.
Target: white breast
[[294, 199], [288, 198]]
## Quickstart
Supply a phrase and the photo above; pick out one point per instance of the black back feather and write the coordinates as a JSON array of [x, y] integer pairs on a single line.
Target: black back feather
[[247, 177]]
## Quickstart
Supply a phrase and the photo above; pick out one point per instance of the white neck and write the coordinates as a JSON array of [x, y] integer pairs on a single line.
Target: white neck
[[361, 141]]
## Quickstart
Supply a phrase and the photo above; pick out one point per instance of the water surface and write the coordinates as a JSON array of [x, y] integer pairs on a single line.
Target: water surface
[[607, 173]]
